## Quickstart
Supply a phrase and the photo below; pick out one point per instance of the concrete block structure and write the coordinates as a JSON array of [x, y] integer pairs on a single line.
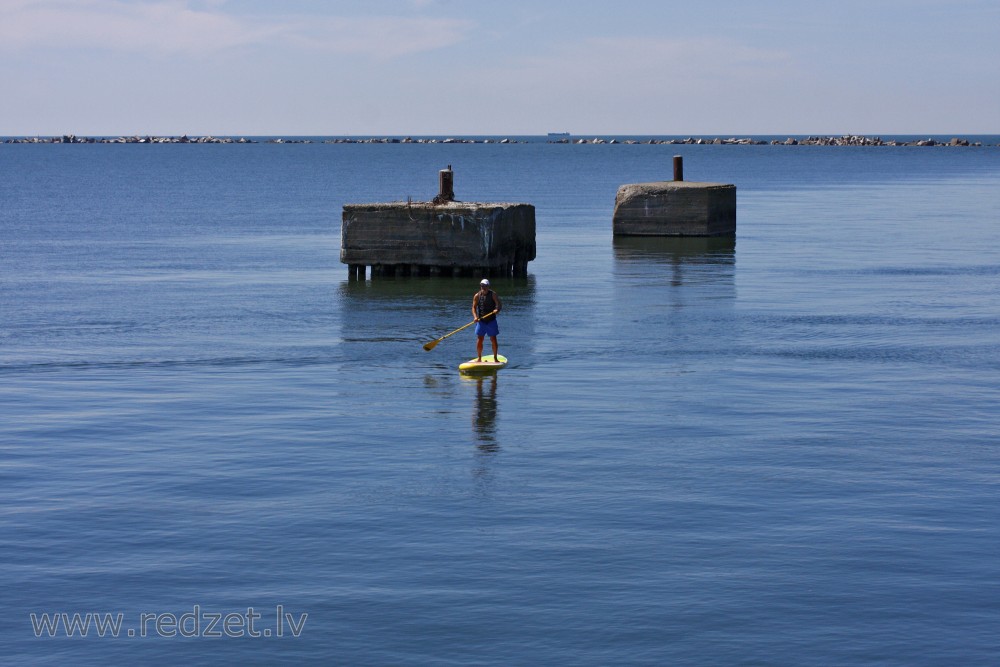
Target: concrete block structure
[[441, 237], [675, 208]]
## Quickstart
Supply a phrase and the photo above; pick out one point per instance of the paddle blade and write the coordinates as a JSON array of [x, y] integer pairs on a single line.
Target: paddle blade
[[430, 346]]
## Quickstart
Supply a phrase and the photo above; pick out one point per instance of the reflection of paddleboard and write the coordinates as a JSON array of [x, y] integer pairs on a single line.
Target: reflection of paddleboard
[[487, 365]]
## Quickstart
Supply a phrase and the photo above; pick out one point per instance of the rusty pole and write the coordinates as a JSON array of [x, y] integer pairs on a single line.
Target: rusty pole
[[678, 168], [446, 180]]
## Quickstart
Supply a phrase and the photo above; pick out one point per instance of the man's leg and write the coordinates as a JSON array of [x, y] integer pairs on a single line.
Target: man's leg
[[479, 347], [493, 339]]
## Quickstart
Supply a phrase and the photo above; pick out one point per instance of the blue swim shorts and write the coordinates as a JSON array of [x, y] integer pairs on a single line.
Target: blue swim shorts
[[487, 328]]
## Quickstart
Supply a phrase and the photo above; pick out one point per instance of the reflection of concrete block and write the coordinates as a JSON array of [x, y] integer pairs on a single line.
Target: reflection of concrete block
[[498, 238], [675, 208]]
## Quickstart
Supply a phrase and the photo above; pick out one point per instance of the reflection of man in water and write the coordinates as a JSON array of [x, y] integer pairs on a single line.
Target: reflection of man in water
[[484, 422], [485, 306]]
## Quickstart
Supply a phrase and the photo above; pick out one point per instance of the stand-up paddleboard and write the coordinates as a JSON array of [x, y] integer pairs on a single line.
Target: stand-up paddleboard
[[487, 365]]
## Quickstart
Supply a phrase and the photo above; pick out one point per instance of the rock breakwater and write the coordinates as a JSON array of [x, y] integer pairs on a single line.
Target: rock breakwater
[[73, 139], [148, 139], [845, 140]]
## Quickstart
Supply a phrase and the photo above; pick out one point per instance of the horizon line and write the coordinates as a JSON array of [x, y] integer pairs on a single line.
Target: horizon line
[[497, 134]]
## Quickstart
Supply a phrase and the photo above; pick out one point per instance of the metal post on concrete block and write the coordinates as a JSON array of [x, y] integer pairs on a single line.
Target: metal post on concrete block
[[678, 168], [446, 182]]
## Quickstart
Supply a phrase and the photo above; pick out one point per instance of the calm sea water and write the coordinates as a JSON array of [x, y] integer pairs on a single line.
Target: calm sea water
[[781, 450]]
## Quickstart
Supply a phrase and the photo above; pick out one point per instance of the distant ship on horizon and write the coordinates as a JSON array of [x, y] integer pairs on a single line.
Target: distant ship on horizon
[[558, 134]]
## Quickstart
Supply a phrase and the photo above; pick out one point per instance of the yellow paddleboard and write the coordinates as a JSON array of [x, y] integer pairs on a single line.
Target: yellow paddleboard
[[487, 365]]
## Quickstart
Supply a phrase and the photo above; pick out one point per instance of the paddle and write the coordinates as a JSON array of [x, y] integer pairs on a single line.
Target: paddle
[[431, 345]]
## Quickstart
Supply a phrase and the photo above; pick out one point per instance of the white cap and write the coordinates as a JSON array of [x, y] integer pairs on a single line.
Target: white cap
[[484, 281]]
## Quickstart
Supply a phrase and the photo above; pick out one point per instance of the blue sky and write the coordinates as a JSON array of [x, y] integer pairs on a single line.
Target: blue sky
[[302, 67]]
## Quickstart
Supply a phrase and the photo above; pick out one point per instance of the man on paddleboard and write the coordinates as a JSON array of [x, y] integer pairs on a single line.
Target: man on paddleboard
[[485, 306]]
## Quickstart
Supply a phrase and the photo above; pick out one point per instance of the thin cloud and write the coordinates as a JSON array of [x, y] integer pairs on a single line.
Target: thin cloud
[[639, 83], [176, 27], [154, 27], [380, 37], [654, 61]]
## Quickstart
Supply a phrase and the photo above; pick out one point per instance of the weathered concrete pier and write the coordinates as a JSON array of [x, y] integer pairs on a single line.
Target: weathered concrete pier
[[442, 237], [675, 208]]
